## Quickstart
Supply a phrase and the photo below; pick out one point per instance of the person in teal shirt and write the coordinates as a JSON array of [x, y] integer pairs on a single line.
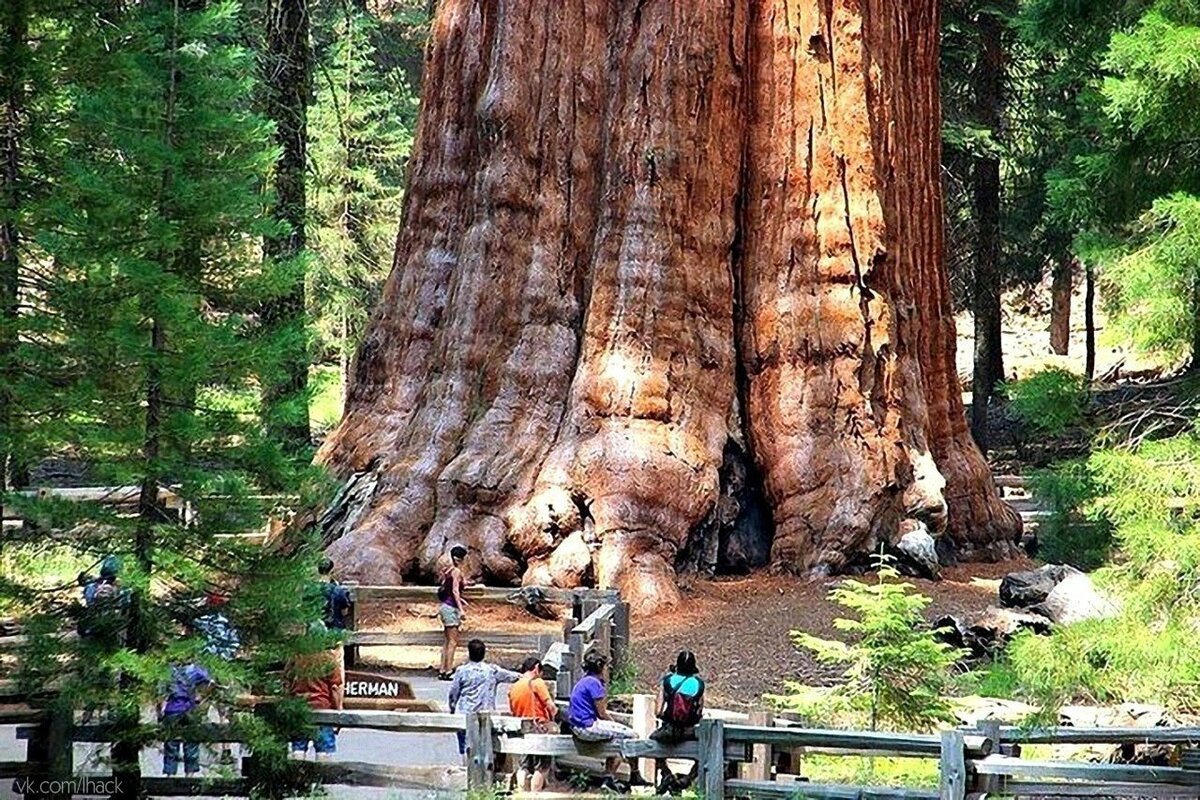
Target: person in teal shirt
[[680, 709]]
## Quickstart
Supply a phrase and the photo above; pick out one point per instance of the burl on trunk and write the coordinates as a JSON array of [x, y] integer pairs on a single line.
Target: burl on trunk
[[668, 291]]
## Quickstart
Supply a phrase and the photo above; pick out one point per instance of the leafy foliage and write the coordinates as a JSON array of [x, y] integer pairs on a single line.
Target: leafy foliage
[[144, 353], [1153, 279], [1149, 494], [1076, 532], [362, 124], [897, 672], [1049, 401]]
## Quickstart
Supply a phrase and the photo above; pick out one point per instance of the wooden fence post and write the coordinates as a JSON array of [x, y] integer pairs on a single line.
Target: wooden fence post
[[711, 733], [952, 783], [350, 654], [759, 767], [621, 642], [603, 639], [591, 601], [565, 680], [991, 729], [576, 645], [644, 723], [480, 752], [51, 746]]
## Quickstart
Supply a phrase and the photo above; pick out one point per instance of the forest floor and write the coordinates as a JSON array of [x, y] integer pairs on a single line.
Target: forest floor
[[739, 628]]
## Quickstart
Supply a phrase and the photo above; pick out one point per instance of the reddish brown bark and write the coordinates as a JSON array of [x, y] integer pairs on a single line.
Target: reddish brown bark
[[1060, 305], [674, 236]]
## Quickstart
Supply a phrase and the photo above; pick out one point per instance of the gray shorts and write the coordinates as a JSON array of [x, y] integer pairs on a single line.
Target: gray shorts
[[604, 730], [450, 616]]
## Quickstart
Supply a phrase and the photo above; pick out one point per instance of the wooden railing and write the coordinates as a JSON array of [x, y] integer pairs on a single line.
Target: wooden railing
[[597, 620], [984, 761], [734, 760]]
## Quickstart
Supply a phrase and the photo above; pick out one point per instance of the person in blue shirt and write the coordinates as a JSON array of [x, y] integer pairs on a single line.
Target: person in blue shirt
[[103, 586], [184, 697], [337, 598], [221, 640], [589, 720], [105, 601], [473, 687], [220, 637]]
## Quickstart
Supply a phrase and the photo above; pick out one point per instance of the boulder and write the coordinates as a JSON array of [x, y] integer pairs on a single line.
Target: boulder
[[1126, 715], [1076, 599], [986, 634], [918, 547], [1027, 589], [992, 630]]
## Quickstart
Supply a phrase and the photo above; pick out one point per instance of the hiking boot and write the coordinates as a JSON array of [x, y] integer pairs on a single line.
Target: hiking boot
[[667, 784], [614, 786]]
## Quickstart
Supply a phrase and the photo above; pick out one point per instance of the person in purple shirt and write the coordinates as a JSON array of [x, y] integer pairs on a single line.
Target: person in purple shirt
[[183, 699], [587, 715]]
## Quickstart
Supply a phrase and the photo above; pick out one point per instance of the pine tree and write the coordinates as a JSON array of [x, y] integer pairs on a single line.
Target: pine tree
[[14, 60], [361, 126], [897, 672], [148, 330]]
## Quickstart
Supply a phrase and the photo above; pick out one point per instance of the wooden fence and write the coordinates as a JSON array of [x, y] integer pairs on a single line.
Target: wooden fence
[[597, 619], [735, 760]]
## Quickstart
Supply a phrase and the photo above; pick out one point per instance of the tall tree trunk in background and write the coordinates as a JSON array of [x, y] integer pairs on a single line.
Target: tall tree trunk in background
[[1089, 322], [705, 231], [988, 83], [1060, 305], [14, 54], [287, 67]]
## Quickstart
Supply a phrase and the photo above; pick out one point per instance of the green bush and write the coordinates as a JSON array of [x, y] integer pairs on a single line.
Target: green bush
[[1077, 532], [1048, 402], [1150, 494]]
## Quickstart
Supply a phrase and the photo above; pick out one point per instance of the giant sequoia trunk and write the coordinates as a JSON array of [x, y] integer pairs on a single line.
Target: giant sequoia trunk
[[649, 249]]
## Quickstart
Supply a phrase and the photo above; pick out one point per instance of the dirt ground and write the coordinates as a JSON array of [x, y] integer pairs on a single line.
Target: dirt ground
[[738, 627]]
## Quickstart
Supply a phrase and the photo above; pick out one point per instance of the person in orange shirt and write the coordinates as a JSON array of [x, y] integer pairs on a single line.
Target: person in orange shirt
[[319, 678], [530, 698]]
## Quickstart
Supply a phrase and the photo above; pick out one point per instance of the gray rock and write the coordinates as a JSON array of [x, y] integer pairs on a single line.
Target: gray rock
[[1076, 599], [1027, 589], [919, 547], [986, 634]]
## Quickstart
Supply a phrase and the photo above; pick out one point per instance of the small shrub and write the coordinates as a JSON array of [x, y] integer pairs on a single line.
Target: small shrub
[[624, 676], [1077, 532], [897, 672], [1150, 494], [1048, 402], [994, 679]]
